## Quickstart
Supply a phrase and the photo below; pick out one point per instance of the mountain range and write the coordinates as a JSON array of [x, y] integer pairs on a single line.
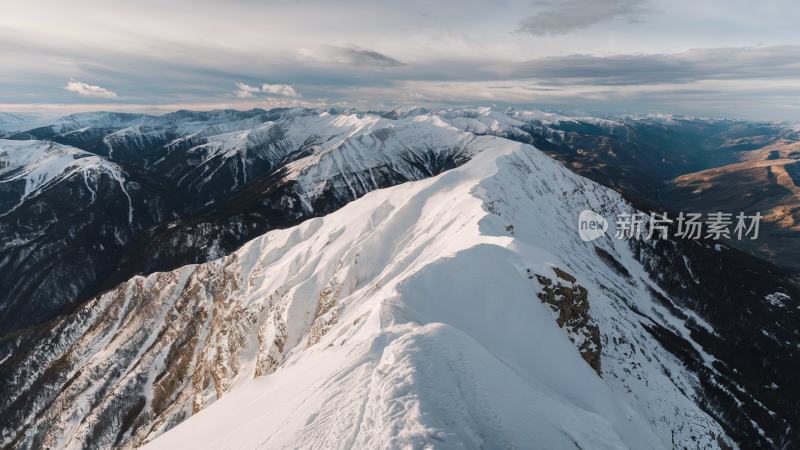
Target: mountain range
[[412, 278]]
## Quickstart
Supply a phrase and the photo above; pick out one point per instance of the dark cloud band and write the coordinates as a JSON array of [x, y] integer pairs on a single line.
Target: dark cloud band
[[779, 62], [556, 18]]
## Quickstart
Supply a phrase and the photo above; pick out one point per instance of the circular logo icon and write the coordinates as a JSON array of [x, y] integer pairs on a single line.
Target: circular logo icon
[[591, 225]]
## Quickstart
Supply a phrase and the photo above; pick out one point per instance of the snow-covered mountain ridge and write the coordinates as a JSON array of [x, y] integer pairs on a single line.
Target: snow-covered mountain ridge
[[31, 165], [224, 188], [685, 340], [14, 122], [410, 317], [65, 215]]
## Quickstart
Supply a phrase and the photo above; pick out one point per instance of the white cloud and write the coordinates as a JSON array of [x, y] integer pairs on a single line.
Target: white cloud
[[245, 91], [89, 90], [282, 90]]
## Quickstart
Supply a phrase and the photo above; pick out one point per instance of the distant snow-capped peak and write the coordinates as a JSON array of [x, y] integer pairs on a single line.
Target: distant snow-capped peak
[[35, 164]]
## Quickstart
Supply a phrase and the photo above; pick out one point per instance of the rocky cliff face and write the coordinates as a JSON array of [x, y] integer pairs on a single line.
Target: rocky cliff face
[[569, 301]]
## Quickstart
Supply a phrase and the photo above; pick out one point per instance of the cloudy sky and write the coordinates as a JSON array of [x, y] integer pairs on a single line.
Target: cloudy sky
[[708, 57]]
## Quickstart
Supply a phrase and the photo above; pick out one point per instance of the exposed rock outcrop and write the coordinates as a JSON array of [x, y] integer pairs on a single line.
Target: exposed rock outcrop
[[568, 299]]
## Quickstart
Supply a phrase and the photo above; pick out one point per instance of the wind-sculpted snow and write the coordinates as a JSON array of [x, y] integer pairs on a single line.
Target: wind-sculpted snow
[[411, 317]]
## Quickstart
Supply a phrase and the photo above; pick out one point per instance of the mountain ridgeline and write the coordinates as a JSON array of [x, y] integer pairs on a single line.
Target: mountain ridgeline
[[171, 201], [161, 271]]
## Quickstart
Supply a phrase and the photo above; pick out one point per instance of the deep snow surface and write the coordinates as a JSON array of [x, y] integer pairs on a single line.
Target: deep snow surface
[[409, 319]]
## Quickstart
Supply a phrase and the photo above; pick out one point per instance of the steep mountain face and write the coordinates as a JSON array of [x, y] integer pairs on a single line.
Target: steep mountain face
[[66, 216], [752, 308], [332, 174], [634, 155], [85, 130], [667, 163], [457, 311], [228, 176], [201, 195]]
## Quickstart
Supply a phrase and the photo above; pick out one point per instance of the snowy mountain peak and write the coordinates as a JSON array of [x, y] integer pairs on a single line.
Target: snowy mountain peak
[[449, 303], [395, 299], [28, 166], [413, 316]]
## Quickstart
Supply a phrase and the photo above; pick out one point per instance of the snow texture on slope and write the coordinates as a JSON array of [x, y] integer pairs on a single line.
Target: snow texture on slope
[[31, 165], [409, 318]]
